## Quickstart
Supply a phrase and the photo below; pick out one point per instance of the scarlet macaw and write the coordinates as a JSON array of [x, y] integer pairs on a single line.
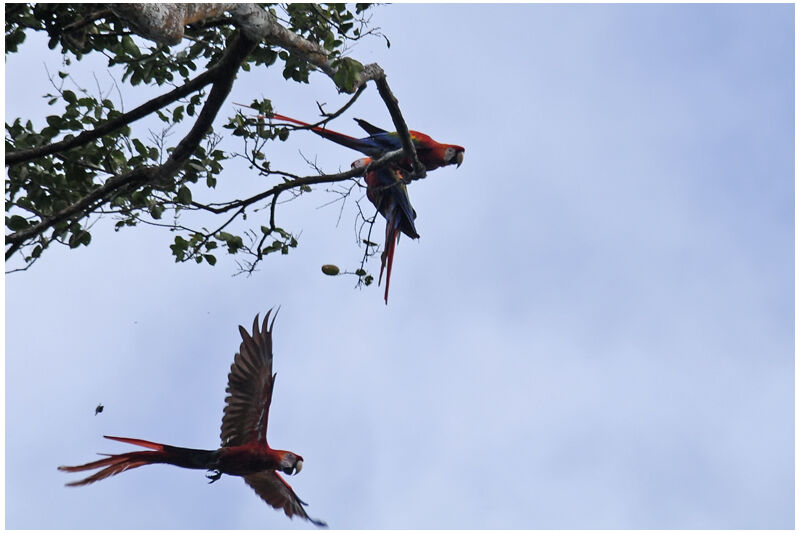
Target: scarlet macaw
[[244, 451], [387, 192], [431, 153]]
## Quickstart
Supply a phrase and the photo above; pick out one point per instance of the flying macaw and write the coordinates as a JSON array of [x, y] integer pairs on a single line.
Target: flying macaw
[[430, 153], [244, 451], [387, 192]]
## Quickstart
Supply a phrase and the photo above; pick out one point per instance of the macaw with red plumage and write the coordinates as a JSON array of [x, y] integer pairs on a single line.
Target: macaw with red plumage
[[387, 192], [244, 450], [431, 154]]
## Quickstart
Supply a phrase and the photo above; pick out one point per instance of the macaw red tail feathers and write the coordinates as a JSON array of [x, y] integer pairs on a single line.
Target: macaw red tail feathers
[[292, 120], [365, 146], [138, 442], [114, 464], [392, 238]]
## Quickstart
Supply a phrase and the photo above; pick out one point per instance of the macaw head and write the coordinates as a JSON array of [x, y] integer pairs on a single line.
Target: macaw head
[[435, 154], [454, 154], [290, 463]]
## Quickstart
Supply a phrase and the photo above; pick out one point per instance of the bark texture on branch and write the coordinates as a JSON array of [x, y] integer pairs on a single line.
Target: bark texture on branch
[[164, 23]]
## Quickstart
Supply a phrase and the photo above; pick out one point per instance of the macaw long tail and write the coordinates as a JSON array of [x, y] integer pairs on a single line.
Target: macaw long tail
[[366, 147], [114, 464], [392, 238]]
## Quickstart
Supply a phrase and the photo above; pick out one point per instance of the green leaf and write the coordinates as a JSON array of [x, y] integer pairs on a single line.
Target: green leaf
[[16, 223], [210, 259], [140, 147], [54, 121], [156, 211], [347, 73], [129, 46], [184, 195], [79, 237], [179, 248]]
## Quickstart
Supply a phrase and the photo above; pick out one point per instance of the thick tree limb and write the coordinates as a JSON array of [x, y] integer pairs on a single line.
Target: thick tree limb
[[239, 49], [164, 23], [259, 24]]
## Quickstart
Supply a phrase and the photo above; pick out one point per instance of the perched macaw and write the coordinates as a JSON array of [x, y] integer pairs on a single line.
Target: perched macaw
[[387, 192], [244, 451], [430, 153]]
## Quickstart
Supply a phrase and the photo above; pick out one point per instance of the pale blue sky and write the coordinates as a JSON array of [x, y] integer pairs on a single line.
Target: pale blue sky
[[595, 329]]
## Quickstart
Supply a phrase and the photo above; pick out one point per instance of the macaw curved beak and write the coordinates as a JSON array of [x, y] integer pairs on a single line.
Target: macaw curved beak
[[293, 470], [459, 159]]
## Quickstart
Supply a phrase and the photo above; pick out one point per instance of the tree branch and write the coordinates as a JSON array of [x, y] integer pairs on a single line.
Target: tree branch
[[282, 187], [379, 77], [238, 50], [261, 25], [164, 23]]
